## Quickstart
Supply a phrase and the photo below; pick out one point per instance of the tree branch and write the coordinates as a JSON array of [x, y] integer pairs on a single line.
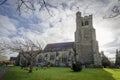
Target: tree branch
[[46, 8], [2, 2]]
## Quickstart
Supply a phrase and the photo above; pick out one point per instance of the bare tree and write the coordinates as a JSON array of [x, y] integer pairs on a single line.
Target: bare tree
[[28, 48], [28, 5], [115, 11], [2, 57], [2, 48]]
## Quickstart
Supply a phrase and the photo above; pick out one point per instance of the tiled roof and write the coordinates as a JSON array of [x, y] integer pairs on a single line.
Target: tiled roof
[[12, 58], [58, 46]]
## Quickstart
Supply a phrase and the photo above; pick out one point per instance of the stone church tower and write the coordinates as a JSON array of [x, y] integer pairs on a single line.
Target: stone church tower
[[85, 41]]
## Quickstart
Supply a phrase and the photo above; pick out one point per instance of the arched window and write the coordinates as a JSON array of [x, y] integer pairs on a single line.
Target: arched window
[[40, 59], [82, 23], [64, 59], [86, 23], [52, 57]]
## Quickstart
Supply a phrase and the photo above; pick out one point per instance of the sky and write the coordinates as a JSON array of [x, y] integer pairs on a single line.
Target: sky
[[60, 27]]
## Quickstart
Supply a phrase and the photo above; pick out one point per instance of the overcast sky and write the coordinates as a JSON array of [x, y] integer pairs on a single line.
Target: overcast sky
[[60, 27]]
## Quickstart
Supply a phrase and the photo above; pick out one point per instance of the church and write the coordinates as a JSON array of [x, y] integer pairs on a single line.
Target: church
[[85, 45]]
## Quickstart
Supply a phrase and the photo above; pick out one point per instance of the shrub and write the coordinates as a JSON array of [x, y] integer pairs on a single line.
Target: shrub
[[76, 67]]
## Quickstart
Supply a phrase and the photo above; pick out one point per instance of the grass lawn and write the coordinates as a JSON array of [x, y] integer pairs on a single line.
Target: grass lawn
[[53, 73], [115, 73]]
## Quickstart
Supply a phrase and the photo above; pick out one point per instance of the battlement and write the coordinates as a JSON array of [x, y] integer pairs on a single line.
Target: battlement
[[83, 20], [87, 17], [78, 14]]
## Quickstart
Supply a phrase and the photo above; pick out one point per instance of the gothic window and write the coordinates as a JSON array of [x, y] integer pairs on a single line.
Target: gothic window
[[52, 57], [64, 59], [82, 23], [40, 59], [86, 23]]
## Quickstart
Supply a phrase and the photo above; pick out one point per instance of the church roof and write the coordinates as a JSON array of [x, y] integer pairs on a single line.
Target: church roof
[[58, 46], [13, 58]]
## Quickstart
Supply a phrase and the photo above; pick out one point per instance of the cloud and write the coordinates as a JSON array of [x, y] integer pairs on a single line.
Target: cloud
[[60, 27], [7, 27]]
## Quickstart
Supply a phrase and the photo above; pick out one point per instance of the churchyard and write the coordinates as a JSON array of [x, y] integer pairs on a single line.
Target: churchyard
[[38, 32], [58, 73]]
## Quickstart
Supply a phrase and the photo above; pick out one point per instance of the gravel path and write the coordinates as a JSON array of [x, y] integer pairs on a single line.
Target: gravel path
[[3, 72]]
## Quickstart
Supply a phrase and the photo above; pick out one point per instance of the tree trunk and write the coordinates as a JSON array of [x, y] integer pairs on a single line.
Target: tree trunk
[[31, 67]]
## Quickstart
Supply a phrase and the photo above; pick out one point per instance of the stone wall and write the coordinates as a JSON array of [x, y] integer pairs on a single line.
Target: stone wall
[[57, 58]]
